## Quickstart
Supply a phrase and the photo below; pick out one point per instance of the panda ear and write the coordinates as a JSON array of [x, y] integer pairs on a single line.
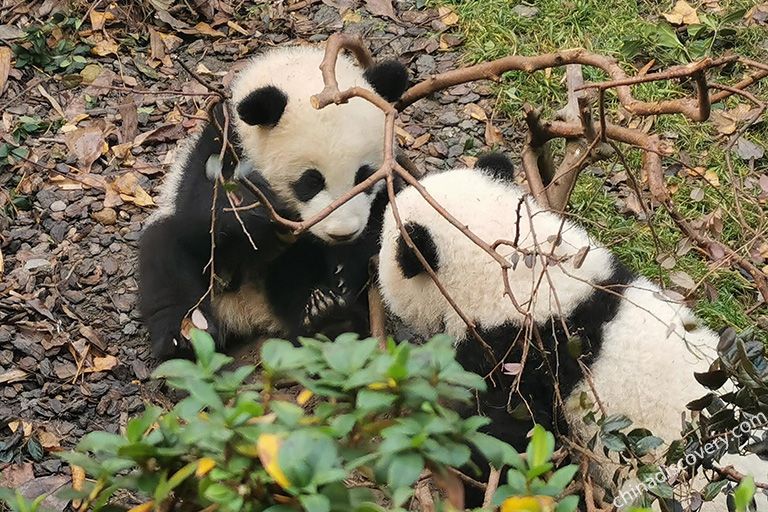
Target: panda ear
[[263, 107], [496, 165], [409, 264], [388, 78]]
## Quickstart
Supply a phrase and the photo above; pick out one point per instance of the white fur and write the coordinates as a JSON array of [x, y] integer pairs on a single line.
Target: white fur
[[166, 199], [471, 276], [335, 140], [650, 350]]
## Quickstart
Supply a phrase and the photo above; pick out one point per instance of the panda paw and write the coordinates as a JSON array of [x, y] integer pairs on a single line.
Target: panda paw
[[168, 340], [323, 304]]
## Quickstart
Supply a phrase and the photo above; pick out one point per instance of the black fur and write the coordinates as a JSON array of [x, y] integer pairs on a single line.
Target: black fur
[[388, 78], [263, 107], [310, 183], [511, 418], [407, 260], [497, 165], [174, 252]]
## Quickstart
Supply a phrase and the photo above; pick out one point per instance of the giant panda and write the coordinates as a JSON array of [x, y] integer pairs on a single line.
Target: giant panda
[[640, 349], [302, 159]]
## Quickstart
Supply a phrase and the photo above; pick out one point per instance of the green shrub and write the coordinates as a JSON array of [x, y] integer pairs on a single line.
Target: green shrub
[[365, 415]]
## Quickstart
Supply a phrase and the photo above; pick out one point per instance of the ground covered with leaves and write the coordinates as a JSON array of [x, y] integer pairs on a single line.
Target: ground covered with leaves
[[94, 100]]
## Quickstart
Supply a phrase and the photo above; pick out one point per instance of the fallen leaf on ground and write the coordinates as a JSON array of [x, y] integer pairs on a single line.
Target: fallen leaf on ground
[[493, 135], [475, 111], [682, 14], [14, 375], [712, 178], [16, 474], [447, 15], [105, 47], [127, 185], [87, 144], [758, 15], [99, 19], [683, 280], [381, 8], [102, 364], [206, 30], [5, 66], [48, 440], [421, 140], [748, 150]]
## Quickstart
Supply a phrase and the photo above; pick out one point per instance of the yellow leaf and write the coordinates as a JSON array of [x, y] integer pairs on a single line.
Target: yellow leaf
[[304, 396], [475, 111], [204, 466], [102, 364], [447, 15], [712, 178], [105, 47], [144, 507], [207, 30], [99, 19], [682, 14], [268, 446], [5, 66], [78, 482], [377, 386], [528, 504]]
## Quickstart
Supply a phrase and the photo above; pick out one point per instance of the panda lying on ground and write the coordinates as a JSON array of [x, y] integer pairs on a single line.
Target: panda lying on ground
[[640, 348], [302, 159]]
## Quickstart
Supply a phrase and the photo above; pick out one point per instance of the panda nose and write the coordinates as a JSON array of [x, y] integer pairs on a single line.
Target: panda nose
[[342, 237]]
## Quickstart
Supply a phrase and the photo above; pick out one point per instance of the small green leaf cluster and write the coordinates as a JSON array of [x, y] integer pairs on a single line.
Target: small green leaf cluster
[[66, 56], [687, 44], [526, 476], [363, 414]]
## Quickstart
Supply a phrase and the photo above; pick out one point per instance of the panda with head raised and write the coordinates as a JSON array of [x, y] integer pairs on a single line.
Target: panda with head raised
[[640, 349], [302, 159]]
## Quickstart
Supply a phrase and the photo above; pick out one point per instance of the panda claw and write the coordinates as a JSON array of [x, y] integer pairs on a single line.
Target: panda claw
[[338, 269]]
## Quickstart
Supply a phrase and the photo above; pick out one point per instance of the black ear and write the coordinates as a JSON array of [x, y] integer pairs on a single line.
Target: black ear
[[263, 107], [496, 165], [410, 265], [388, 78]]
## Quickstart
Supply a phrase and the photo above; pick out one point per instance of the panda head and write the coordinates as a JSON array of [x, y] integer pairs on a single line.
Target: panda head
[[476, 197], [487, 201], [311, 157]]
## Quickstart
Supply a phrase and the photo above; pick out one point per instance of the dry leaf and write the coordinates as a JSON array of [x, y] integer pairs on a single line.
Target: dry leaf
[[758, 15], [5, 66], [25, 427], [99, 19], [712, 178], [87, 144], [112, 196], [14, 375], [105, 47], [78, 482], [421, 140], [51, 100], [102, 364], [493, 135], [682, 14], [748, 150], [683, 280], [697, 194], [48, 440], [127, 185], [403, 136], [447, 15], [723, 123], [207, 30], [475, 111], [15, 475], [381, 8]]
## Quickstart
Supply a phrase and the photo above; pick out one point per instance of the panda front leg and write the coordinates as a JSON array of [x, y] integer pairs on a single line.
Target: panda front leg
[[171, 283]]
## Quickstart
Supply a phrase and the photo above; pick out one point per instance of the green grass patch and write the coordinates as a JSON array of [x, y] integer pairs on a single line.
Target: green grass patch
[[636, 33]]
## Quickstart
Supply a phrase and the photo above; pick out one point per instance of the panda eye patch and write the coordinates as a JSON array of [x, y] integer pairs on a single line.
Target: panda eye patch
[[308, 185], [362, 174]]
